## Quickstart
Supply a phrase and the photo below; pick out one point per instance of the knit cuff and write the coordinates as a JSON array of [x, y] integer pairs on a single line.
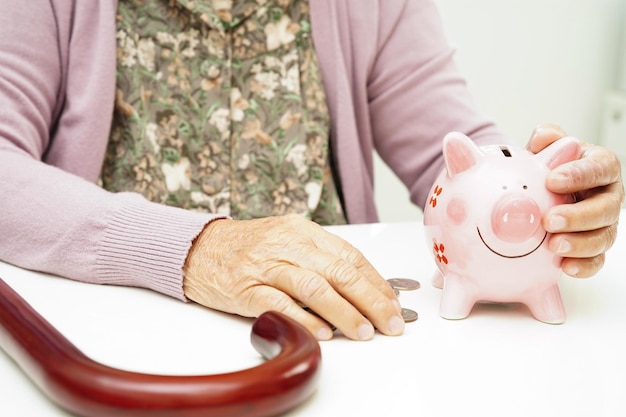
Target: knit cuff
[[146, 245]]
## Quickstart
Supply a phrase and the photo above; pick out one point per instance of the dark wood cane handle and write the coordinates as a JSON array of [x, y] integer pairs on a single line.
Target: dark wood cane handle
[[85, 387]]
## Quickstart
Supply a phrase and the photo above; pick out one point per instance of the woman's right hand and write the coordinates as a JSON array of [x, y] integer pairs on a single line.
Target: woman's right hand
[[247, 267]]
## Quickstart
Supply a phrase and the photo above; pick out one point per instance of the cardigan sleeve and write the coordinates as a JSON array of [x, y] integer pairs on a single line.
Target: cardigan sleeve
[[57, 69], [416, 94], [392, 86]]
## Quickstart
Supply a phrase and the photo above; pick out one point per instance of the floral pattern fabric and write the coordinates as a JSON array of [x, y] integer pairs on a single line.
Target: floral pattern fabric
[[220, 107]]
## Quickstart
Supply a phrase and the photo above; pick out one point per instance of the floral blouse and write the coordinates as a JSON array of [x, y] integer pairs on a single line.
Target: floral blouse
[[220, 107]]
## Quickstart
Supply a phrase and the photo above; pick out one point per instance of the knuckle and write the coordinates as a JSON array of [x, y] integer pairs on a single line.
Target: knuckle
[[351, 255], [381, 304], [611, 233], [280, 302], [611, 168], [290, 218], [595, 264], [599, 171], [615, 162], [607, 214], [311, 287], [258, 302], [594, 243], [295, 220], [615, 206], [342, 273], [596, 168], [588, 267]]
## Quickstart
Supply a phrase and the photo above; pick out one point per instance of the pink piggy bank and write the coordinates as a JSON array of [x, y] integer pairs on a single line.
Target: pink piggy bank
[[483, 221]]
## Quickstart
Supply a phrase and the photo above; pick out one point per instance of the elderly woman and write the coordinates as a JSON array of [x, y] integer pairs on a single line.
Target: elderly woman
[[193, 146]]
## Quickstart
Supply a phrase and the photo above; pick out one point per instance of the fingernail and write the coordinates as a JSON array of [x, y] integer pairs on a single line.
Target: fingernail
[[557, 223], [564, 247], [365, 331], [396, 325], [397, 305], [324, 333]]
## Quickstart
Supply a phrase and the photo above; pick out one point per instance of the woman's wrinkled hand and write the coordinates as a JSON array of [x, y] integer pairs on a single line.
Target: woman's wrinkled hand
[[247, 267], [585, 230]]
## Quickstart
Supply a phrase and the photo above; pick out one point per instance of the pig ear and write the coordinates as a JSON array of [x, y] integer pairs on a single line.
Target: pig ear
[[459, 153], [559, 152]]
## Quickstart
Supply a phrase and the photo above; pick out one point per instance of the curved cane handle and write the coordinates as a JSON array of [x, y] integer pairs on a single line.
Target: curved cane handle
[[90, 389]]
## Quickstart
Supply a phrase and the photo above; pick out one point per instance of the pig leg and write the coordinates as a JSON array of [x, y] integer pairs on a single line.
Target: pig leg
[[456, 300], [547, 306], [438, 280]]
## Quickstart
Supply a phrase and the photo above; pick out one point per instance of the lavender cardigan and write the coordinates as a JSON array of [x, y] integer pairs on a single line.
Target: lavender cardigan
[[391, 86]]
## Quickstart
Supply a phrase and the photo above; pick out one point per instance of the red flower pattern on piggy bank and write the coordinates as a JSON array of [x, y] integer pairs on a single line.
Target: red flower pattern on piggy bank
[[488, 221]]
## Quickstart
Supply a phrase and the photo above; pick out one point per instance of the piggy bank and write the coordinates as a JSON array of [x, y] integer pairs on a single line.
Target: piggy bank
[[483, 221]]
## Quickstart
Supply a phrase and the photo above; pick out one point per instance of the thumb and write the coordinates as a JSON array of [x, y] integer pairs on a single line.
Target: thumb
[[543, 135]]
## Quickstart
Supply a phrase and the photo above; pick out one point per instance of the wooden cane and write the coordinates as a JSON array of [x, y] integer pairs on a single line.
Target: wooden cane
[[90, 389]]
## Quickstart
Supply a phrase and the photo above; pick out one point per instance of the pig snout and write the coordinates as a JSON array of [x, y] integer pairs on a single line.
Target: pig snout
[[515, 218]]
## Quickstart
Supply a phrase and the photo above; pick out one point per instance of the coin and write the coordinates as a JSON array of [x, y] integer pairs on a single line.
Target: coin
[[404, 284], [409, 315]]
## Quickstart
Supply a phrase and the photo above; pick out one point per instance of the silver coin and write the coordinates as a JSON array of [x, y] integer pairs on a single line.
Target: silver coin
[[404, 284], [409, 315]]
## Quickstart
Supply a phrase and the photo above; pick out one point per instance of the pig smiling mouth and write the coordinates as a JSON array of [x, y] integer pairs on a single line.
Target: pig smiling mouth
[[510, 256]]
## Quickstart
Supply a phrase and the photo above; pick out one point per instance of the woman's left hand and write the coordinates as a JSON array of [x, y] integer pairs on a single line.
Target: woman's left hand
[[585, 230]]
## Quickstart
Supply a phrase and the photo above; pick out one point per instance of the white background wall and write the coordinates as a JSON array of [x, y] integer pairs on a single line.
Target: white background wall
[[528, 62]]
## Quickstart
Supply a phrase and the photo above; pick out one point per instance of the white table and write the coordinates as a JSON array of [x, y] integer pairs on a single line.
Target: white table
[[498, 362]]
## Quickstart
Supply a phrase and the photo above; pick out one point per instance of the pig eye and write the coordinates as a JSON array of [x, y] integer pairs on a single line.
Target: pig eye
[[525, 187], [504, 187]]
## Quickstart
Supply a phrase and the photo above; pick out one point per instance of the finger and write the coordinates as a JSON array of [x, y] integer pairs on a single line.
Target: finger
[[330, 282], [344, 250], [597, 167], [583, 267], [373, 297], [601, 208], [543, 135], [316, 293], [583, 244], [264, 298], [368, 272]]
